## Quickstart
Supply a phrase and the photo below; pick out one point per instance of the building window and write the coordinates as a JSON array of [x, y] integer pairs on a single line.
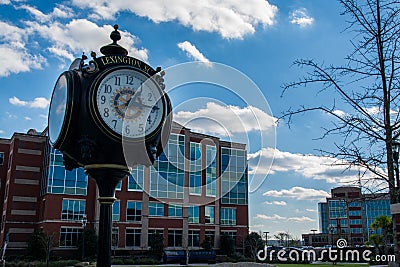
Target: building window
[[355, 221], [337, 209], [356, 230], [69, 237], [174, 210], [174, 238], [115, 211], [354, 204], [167, 172], [210, 235], [73, 209], [135, 179], [233, 176], [195, 169], [228, 216], [115, 237], [232, 234], [133, 237], [194, 238], [156, 209], [193, 214], [134, 211], [209, 214], [119, 186], [153, 232], [1, 158], [61, 181], [211, 171], [354, 212]]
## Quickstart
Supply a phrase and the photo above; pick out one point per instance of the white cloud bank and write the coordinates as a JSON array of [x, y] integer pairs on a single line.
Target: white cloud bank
[[301, 17], [231, 19], [81, 35], [277, 203], [14, 56], [331, 170], [38, 102], [193, 52], [226, 120], [276, 218], [299, 193]]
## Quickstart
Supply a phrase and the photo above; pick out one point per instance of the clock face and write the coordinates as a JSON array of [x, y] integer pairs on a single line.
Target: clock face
[[58, 107], [129, 103]]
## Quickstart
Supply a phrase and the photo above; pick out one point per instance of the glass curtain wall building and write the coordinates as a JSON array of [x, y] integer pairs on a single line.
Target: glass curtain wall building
[[349, 214], [197, 188]]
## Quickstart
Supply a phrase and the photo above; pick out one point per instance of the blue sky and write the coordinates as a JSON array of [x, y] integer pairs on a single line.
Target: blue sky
[[261, 39]]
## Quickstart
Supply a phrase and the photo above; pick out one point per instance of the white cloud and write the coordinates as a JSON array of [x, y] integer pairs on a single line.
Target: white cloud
[[27, 118], [38, 102], [278, 203], [5, 2], [81, 35], [311, 210], [193, 52], [331, 170], [299, 193], [301, 17], [60, 11], [277, 217], [226, 120], [339, 113], [373, 110], [14, 56], [301, 219], [230, 19], [273, 217]]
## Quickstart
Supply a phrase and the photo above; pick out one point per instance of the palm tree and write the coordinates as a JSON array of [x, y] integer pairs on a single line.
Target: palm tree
[[384, 223]]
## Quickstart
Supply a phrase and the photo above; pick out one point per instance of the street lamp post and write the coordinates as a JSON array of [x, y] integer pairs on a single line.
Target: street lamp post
[[84, 222], [331, 229], [266, 238]]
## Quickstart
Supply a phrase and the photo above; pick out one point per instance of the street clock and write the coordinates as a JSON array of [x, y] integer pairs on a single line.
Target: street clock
[[98, 105]]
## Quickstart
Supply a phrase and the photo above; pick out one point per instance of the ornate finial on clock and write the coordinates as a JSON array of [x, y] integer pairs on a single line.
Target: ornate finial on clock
[[114, 48]]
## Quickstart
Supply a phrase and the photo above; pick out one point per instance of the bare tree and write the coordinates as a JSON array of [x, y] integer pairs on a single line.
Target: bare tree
[[368, 86]]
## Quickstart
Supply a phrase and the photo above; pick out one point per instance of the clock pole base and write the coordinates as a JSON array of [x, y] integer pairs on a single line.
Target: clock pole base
[[106, 179]]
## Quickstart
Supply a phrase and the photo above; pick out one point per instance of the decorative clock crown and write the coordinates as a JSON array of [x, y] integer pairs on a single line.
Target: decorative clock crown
[[114, 48]]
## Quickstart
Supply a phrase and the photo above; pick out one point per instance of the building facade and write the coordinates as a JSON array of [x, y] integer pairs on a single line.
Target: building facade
[[197, 188], [348, 214]]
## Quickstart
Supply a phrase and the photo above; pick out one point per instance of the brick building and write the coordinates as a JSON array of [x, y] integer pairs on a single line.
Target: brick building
[[184, 200], [348, 214]]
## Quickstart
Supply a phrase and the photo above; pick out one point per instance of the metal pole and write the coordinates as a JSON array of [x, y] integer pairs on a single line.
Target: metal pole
[[107, 180]]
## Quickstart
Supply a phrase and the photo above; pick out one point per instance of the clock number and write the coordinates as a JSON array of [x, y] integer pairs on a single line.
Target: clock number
[[149, 120], [103, 99], [150, 95], [107, 88], [153, 109], [140, 128], [127, 129], [106, 112], [129, 80], [118, 81], [115, 123]]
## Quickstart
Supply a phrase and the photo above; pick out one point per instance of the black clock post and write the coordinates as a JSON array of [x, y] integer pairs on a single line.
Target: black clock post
[[107, 179], [105, 116]]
